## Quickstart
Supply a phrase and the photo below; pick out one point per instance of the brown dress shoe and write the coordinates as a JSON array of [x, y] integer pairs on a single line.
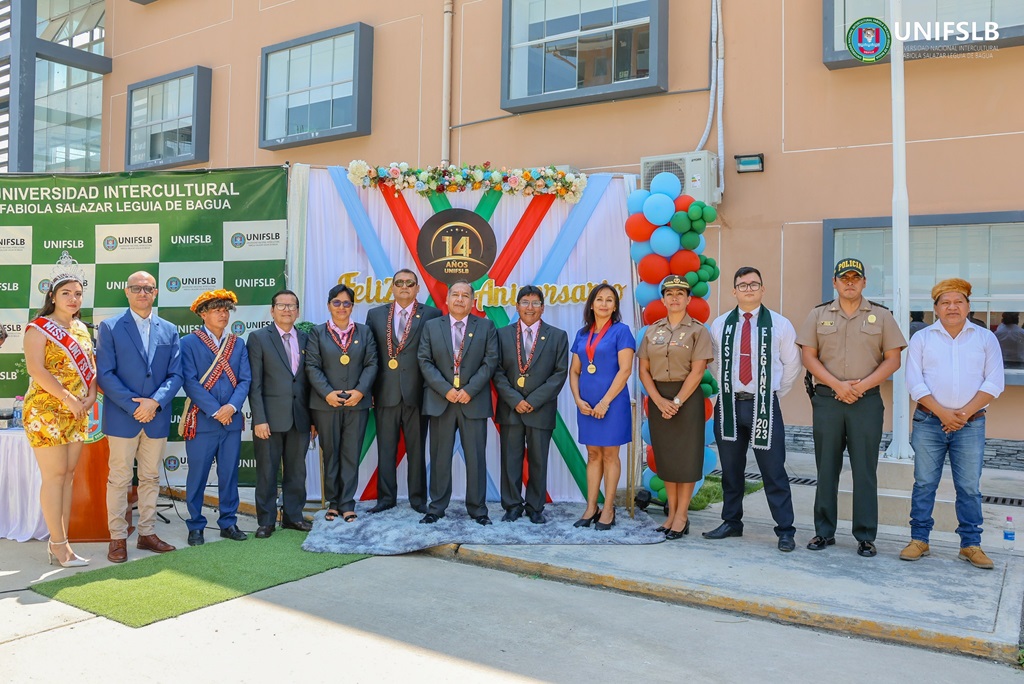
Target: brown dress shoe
[[151, 542], [976, 557], [915, 550], [117, 552]]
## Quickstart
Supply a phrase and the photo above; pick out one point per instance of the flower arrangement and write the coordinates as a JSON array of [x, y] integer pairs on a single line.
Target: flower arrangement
[[542, 180]]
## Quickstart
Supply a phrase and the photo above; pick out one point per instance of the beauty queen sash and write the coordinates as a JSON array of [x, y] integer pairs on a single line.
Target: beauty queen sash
[[66, 341], [763, 404]]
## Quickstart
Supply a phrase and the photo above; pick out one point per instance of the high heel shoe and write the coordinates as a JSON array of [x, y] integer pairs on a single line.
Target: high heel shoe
[[75, 561], [672, 534], [585, 522], [605, 526]]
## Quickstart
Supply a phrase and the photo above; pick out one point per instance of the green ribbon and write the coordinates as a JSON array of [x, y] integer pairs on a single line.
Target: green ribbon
[[763, 414]]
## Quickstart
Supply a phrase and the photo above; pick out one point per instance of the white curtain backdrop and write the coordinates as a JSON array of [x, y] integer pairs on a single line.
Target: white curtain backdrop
[[602, 253]]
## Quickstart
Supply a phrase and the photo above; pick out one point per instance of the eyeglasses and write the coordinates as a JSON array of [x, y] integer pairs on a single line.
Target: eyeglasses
[[136, 289], [286, 307], [404, 283], [748, 287], [531, 304], [339, 303]]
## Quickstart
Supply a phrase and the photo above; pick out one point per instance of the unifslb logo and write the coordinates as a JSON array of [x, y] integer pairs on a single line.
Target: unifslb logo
[[171, 463], [110, 243], [868, 40], [173, 284], [238, 327], [456, 244], [238, 241], [44, 285]]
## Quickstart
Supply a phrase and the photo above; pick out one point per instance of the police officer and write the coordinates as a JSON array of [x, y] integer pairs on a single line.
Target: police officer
[[851, 346]]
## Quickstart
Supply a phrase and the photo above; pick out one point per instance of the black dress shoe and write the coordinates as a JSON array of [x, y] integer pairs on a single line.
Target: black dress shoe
[[301, 526], [233, 533], [605, 526], [585, 522], [672, 534], [512, 514], [195, 538], [818, 543], [786, 543], [264, 531], [482, 520], [661, 529], [722, 531], [537, 517], [381, 507], [866, 549], [429, 519]]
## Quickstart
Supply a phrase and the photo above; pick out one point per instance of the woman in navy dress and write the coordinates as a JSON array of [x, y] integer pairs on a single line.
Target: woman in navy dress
[[602, 361]]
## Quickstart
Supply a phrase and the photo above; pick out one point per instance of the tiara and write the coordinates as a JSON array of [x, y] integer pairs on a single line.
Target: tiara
[[67, 268]]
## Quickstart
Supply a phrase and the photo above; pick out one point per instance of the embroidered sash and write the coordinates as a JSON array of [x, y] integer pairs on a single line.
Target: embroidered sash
[[66, 341], [763, 397], [221, 364]]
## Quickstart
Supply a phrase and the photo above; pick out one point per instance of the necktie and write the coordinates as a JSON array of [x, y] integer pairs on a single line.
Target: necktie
[[144, 334], [528, 340], [287, 337], [457, 337], [403, 319], [745, 374]]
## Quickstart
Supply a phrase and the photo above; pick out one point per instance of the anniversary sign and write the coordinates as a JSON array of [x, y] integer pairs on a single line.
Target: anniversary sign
[[456, 244]]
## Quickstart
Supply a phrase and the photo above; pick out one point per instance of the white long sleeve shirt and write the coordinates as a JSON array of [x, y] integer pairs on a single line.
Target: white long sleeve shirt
[[786, 363], [954, 369]]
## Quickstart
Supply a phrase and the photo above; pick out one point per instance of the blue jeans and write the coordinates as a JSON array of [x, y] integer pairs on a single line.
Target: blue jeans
[[966, 449]]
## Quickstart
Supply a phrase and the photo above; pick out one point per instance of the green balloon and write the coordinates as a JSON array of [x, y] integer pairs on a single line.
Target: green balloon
[[700, 204], [692, 278], [706, 389], [657, 483], [699, 226], [716, 274], [704, 274], [689, 240], [701, 289], [710, 214], [711, 260], [662, 496], [707, 377], [680, 222], [695, 212]]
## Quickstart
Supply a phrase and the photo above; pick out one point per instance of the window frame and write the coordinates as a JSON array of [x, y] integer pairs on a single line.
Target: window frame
[[1010, 36], [202, 89], [362, 88], [655, 82]]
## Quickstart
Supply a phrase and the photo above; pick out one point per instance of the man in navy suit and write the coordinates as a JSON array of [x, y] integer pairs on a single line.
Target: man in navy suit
[[279, 401], [139, 370], [217, 377]]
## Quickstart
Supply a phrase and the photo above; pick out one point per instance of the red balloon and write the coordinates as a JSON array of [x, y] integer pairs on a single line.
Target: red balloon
[[638, 228], [699, 309], [683, 202], [654, 311], [653, 268], [646, 401], [650, 459], [708, 409], [684, 261]]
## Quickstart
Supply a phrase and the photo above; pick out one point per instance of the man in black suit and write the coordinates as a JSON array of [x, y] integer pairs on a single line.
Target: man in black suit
[[281, 430], [533, 369], [458, 354], [398, 391]]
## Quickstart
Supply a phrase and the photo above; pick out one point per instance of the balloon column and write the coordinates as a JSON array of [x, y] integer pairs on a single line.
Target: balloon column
[[667, 230]]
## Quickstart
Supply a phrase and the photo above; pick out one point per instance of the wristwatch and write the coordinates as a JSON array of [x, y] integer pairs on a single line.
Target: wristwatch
[[677, 401]]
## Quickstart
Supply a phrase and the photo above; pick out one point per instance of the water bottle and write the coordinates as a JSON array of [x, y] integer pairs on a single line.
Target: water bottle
[[16, 421], [1008, 534]]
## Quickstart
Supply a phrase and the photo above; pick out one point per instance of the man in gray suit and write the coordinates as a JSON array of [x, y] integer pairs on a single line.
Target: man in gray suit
[[458, 354], [533, 369], [279, 400], [398, 391]]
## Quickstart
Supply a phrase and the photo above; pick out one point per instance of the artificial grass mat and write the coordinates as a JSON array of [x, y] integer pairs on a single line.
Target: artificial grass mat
[[166, 585]]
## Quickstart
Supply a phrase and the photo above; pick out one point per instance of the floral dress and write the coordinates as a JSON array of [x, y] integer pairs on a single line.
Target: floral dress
[[48, 422]]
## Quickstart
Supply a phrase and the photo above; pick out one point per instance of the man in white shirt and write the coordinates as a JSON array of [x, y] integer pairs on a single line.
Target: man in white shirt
[[954, 369], [757, 362]]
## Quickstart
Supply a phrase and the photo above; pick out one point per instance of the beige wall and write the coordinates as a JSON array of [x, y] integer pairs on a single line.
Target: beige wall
[[825, 134]]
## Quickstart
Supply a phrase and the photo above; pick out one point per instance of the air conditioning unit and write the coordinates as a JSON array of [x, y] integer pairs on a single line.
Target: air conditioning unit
[[697, 171]]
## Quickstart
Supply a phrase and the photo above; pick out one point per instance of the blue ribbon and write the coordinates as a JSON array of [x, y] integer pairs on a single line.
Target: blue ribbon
[[368, 238], [572, 229]]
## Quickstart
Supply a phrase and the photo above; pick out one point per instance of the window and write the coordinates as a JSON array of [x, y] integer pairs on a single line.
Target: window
[[838, 15], [562, 52], [984, 249], [169, 120], [317, 88]]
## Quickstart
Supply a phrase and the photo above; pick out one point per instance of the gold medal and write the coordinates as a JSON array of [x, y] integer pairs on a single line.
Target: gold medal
[[521, 381], [393, 364], [456, 382], [345, 359], [591, 369]]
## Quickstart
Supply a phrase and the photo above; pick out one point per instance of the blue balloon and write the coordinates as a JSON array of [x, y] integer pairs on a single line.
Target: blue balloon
[[645, 431], [642, 331], [645, 478], [666, 183], [710, 461], [665, 241], [645, 293], [696, 487], [658, 209], [635, 201], [701, 245], [638, 250], [709, 431]]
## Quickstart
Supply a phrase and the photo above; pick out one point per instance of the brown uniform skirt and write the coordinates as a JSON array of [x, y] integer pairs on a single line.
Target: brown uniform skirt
[[679, 441]]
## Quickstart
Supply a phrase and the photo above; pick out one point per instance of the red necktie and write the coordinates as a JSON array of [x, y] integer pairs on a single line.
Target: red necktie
[[745, 374]]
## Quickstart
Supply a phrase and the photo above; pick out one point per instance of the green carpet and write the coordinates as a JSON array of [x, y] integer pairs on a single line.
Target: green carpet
[[151, 589]]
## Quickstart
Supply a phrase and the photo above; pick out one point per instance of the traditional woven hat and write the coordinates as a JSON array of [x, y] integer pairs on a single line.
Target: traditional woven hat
[[213, 296], [951, 285]]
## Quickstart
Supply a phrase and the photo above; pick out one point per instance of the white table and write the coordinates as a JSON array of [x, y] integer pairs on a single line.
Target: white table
[[21, 518]]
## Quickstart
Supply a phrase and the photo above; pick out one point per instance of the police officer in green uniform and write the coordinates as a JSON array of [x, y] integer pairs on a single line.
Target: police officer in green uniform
[[851, 346]]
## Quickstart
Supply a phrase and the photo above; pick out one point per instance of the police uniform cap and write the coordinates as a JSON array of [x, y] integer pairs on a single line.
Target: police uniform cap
[[674, 282], [844, 266]]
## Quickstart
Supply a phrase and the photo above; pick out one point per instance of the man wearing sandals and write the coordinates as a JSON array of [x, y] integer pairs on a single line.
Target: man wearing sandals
[[954, 369]]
